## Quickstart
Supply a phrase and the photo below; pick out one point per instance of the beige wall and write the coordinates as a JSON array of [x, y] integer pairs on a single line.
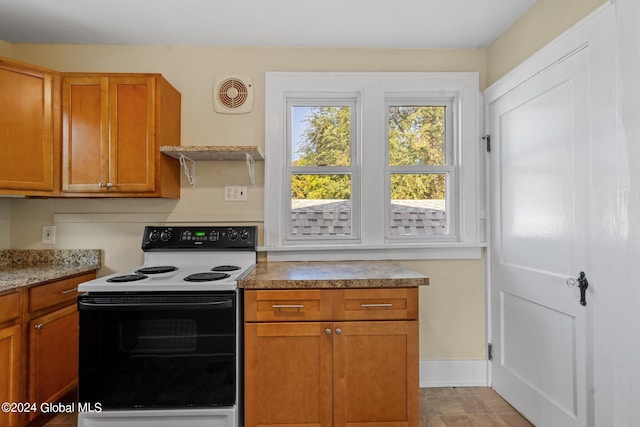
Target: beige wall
[[5, 224], [452, 308], [543, 22], [5, 49]]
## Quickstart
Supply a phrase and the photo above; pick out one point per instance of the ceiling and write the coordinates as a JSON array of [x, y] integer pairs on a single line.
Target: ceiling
[[303, 23]]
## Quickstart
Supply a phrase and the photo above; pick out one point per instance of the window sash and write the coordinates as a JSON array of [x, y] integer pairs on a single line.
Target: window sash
[[330, 100]]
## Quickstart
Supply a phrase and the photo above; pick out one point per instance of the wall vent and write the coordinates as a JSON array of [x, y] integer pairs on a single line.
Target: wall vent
[[232, 94]]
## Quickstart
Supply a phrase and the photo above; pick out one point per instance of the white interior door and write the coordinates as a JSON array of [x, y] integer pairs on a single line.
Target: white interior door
[[540, 203]]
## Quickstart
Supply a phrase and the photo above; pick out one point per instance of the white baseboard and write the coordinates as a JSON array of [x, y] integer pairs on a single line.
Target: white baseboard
[[453, 373]]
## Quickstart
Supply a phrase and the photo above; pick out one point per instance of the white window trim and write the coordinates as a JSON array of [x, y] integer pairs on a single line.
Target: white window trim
[[374, 90]]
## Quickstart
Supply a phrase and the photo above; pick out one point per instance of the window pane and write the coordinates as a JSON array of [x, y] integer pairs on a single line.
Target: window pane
[[321, 135], [417, 135], [418, 205], [320, 205]]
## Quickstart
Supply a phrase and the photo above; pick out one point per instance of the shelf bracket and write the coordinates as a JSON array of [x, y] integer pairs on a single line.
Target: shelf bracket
[[252, 168], [189, 169]]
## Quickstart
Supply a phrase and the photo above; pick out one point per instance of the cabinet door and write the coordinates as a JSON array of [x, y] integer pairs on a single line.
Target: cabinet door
[[288, 379], [26, 129], [85, 134], [376, 374], [53, 355], [132, 136], [10, 371]]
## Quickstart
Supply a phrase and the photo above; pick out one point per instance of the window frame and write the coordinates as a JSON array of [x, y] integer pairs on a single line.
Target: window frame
[[373, 91]]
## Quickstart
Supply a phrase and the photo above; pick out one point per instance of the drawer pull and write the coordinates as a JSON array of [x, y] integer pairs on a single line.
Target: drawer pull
[[39, 326], [287, 306], [376, 305], [68, 291]]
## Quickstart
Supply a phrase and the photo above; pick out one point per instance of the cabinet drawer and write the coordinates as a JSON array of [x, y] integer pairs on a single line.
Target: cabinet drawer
[[375, 304], [9, 307], [57, 292], [287, 305]]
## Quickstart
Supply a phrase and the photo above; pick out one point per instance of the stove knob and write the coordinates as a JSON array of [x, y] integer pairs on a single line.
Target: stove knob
[[233, 235], [244, 235], [165, 236], [154, 236]]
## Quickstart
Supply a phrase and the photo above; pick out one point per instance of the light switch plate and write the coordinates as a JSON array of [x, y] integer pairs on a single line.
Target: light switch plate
[[235, 193], [48, 234]]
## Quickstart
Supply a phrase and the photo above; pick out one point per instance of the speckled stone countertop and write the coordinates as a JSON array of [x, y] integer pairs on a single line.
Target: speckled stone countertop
[[328, 274], [24, 267]]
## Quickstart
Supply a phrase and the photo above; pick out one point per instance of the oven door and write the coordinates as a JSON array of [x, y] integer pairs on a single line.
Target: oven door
[[158, 350]]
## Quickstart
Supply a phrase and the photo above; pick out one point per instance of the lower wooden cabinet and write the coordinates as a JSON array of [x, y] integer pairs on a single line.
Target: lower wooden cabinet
[[10, 372], [331, 373], [53, 355], [38, 346]]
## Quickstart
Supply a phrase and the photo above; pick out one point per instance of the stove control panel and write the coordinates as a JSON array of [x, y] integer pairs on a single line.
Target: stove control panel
[[199, 238]]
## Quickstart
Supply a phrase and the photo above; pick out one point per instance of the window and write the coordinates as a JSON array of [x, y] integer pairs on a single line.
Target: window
[[323, 171], [420, 169], [372, 165]]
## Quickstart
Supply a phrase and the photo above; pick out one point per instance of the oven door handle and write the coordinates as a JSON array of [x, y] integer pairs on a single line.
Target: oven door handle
[[153, 305]]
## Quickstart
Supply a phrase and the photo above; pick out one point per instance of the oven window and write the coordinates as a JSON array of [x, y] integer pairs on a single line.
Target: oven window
[[147, 353]]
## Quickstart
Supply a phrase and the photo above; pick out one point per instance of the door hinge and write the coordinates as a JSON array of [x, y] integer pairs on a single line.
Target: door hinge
[[490, 351], [487, 138]]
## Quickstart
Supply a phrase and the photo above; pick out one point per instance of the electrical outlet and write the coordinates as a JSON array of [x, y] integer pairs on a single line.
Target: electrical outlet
[[235, 193], [48, 234]]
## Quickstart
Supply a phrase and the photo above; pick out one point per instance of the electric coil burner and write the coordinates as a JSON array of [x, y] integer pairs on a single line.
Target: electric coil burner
[[160, 344]]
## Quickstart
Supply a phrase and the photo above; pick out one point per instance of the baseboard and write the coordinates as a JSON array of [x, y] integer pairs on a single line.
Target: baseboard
[[453, 373]]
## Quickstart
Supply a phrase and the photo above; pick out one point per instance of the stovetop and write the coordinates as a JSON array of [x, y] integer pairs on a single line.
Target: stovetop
[[185, 259]]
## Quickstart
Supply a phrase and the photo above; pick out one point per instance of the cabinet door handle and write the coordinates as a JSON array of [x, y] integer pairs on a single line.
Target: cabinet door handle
[[327, 331], [287, 306], [68, 291], [376, 305], [338, 331], [39, 326]]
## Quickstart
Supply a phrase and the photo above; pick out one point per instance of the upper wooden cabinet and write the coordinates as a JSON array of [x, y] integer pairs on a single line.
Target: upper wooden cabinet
[[112, 128], [29, 129]]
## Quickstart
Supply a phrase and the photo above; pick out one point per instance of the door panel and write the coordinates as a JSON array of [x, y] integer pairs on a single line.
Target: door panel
[[85, 133], [288, 378], [376, 374], [132, 144], [540, 198]]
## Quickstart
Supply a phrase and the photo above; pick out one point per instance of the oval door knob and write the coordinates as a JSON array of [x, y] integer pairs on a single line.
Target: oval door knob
[[338, 331], [327, 331]]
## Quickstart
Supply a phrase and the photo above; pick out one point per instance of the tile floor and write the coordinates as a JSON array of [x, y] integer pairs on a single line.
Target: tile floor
[[467, 407], [439, 407]]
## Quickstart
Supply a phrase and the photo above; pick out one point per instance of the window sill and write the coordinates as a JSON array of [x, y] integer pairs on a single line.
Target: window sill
[[404, 251]]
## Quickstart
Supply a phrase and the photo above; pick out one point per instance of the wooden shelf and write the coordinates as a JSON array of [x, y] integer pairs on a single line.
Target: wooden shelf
[[212, 152]]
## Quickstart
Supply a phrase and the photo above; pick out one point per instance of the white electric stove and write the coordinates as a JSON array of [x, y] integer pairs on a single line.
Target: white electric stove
[[161, 344]]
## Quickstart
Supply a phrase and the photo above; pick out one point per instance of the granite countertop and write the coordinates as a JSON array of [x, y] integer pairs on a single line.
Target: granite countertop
[[24, 267], [328, 274]]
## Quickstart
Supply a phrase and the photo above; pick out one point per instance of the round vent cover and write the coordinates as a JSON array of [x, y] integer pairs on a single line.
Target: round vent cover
[[233, 94]]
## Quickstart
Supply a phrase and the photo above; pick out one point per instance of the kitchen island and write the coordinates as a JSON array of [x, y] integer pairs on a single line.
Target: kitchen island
[[331, 344], [39, 325]]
